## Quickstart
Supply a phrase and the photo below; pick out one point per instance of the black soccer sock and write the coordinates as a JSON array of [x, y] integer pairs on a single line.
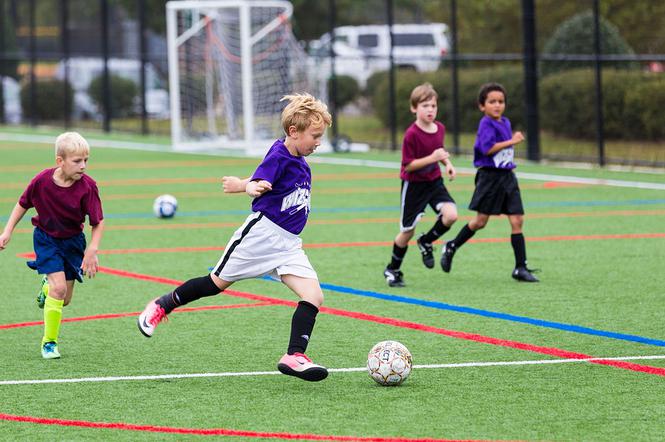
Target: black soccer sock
[[398, 257], [436, 232], [302, 325], [463, 236], [519, 248], [189, 291]]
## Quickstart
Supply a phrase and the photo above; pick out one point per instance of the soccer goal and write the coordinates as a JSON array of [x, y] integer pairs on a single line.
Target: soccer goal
[[230, 62]]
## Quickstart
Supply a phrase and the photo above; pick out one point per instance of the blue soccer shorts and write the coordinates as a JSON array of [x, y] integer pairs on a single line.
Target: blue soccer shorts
[[58, 255]]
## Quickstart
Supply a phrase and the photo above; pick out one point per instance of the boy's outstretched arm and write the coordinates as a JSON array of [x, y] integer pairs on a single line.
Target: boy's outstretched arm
[[14, 218], [233, 184], [90, 264]]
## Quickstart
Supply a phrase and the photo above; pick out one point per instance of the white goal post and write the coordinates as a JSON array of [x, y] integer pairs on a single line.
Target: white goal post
[[230, 62]]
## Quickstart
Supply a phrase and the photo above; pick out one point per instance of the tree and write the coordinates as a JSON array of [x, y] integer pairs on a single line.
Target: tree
[[576, 36], [9, 48], [155, 13]]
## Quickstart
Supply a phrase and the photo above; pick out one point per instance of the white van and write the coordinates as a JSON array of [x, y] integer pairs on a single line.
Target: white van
[[362, 50], [82, 70]]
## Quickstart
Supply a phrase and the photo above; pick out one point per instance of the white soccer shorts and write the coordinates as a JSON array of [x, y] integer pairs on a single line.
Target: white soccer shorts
[[260, 247]]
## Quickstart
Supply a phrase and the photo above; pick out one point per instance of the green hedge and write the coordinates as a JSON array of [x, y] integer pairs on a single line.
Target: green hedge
[[631, 100], [644, 103], [50, 100], [469, 80], [567, 104]]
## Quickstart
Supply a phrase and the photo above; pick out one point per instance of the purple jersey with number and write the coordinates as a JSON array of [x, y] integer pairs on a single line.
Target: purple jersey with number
[[288, 203], [418, 144], [61, 211], [490, 132]]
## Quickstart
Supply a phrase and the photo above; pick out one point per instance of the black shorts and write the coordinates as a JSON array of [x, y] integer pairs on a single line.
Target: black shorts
[[416, 196], [497, 192]]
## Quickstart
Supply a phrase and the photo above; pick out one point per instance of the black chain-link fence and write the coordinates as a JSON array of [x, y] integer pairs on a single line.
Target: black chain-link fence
[[585, 79]]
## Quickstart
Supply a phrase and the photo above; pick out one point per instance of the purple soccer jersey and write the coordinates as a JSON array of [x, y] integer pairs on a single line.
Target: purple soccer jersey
[[418, 144], [490, 132], [61, 211], [288, 203]]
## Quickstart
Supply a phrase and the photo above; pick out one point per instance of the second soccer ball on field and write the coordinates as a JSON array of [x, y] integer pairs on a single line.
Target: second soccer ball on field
[[165, 206]]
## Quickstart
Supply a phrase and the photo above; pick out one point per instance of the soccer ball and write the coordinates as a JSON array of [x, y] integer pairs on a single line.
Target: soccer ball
[[389, 363], [165, 206]]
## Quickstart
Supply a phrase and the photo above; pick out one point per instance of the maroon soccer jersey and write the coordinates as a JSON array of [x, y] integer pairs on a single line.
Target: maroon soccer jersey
[[60, 210], [418, 144]]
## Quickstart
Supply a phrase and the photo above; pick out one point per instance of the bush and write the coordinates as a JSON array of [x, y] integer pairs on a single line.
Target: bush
[[347, 90], [50, 100], [645, 102], [576, 36], [568, 104], [373, 82], [123, 93]]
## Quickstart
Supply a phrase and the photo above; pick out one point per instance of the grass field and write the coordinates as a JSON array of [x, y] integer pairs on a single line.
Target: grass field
[[579, 356]]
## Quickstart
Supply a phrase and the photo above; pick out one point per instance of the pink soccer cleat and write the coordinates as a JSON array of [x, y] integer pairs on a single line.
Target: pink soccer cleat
[[300, 366], [151, 316]]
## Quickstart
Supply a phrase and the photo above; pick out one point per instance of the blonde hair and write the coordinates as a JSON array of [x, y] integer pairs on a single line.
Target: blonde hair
[[423, 92], [70, 143], [304, 111]]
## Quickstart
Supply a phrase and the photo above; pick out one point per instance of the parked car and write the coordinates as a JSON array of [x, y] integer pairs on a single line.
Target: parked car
[[362, 50], [83, 70], [12, 100]]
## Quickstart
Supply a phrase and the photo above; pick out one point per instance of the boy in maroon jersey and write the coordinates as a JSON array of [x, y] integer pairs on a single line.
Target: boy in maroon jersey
[[62, 197], [422, 184]]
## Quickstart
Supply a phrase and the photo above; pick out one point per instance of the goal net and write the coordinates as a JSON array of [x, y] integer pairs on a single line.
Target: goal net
[[230, 62]]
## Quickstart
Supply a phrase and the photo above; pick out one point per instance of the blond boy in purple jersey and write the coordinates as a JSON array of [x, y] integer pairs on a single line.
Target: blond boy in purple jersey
[[268, 242]]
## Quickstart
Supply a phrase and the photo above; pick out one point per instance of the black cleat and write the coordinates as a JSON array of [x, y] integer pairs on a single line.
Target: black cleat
[[394, 278], [524, 274], [447, 257], [427, 251]]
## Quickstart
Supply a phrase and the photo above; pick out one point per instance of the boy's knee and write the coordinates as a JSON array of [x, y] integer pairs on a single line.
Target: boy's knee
[[449, 219], [58, 291], [477, 224], [315, 298]]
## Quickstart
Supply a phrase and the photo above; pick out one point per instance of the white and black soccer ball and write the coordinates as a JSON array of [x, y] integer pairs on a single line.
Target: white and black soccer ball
[[165, 206], [389, 363]]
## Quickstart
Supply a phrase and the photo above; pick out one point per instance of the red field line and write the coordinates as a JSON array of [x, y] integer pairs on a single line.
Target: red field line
[[122, 315], [328, 191], [31, 255], [142, 165], [207, 431], [551, 351]]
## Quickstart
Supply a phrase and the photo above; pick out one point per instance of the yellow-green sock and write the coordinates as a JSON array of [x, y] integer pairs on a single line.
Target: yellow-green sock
[[52, 318]]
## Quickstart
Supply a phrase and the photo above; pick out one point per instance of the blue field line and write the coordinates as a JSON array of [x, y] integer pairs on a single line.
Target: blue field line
[[594, 203], [181, 214], [496, 315]]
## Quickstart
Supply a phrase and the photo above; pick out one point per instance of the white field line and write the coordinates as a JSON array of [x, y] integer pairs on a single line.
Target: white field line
[[523, 175], [26, 138], [332, 370]]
